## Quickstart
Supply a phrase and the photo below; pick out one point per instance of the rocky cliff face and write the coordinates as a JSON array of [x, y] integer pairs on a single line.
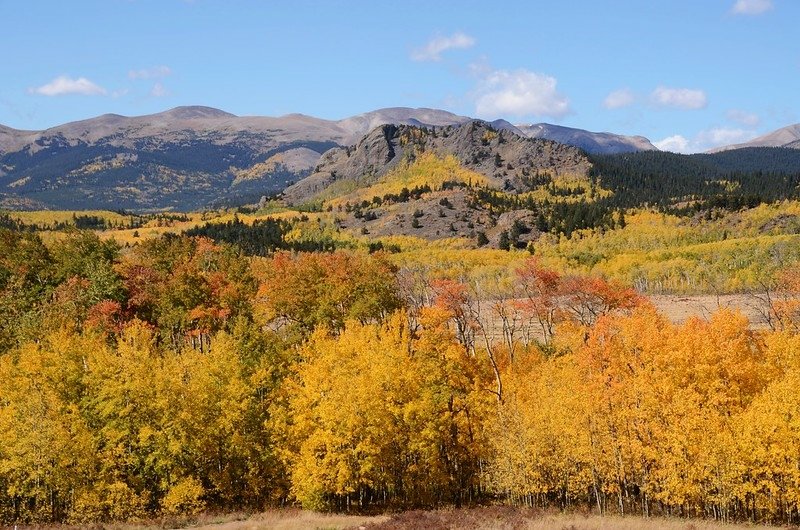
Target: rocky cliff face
[[503, 156]]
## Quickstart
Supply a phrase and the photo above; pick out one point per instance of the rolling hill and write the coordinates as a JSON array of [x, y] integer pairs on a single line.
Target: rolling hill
[[471, 180]]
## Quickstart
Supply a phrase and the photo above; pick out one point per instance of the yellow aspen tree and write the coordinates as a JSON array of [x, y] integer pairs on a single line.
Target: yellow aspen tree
[[46, 447]]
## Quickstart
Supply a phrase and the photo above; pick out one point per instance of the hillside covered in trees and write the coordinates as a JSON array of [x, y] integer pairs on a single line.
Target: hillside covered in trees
[[474, 181], [730, 179]]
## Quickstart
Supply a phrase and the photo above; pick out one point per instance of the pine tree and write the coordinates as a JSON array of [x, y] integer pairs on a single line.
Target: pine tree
[[504, 242]]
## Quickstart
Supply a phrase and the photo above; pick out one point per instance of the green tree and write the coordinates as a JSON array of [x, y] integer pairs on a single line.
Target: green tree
[[505, 241]]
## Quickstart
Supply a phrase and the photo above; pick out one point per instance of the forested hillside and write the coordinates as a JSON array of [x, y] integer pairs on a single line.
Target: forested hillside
[[503, 158], [730, 178]]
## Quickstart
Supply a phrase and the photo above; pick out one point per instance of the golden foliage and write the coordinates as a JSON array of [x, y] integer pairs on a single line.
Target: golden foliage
[[185, 497], [160, 383], [642, 409], [425, 169], [662, 253], [375, 413]]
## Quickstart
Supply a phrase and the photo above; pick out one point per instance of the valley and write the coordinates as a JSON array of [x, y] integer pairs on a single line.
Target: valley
[[399, 266]]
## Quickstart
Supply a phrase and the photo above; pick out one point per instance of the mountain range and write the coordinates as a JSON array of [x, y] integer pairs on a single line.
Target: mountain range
[[785, 137], [195, 157]]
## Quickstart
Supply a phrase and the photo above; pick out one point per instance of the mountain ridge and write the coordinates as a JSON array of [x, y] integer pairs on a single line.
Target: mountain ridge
[[346, 130], [591, 142], [186, 157], [788, 136]]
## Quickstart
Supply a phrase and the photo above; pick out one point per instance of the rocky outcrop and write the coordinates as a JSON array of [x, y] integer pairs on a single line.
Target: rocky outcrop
[[503, 156]]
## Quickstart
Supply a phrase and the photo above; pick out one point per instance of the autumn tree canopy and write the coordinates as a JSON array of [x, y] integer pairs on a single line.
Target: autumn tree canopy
[[179, 376]]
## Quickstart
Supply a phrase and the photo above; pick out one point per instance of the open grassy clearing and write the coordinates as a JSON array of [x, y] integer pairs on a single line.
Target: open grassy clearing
[[679, 308], [49, 217]]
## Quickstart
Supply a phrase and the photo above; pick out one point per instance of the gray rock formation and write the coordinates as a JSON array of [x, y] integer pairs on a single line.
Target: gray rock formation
[[503, 156]]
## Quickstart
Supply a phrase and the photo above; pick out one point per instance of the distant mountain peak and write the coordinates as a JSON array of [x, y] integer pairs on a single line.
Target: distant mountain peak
[[788, 136], [591, 142], [298, 115], [417, 111], [194, 112]]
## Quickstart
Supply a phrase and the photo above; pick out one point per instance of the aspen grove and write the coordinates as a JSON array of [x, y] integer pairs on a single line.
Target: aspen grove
[[180, 376]]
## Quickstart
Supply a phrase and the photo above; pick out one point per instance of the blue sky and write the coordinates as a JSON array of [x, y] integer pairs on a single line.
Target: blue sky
[[689, 75]]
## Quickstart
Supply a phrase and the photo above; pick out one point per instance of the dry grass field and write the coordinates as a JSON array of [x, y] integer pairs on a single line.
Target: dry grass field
[[507, 518], [490, 518], [677, 308], [282, 519], [680, 308], [298, 520]]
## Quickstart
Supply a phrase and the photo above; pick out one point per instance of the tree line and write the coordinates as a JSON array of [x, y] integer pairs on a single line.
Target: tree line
[[726, 179]]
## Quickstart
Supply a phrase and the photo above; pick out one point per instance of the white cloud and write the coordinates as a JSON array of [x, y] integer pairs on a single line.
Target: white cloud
[[519, 93], [676, 144], [63, 85], [157, 72], [433, 50], [745, 118], [705, 140], [679, 98], [158, 90], [719, 136], [481, 67], [617, 99], [751, 7]]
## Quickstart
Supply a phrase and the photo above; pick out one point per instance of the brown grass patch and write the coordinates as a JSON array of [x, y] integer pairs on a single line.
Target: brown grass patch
[[286, 519], [486, 518], [508, 518]]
